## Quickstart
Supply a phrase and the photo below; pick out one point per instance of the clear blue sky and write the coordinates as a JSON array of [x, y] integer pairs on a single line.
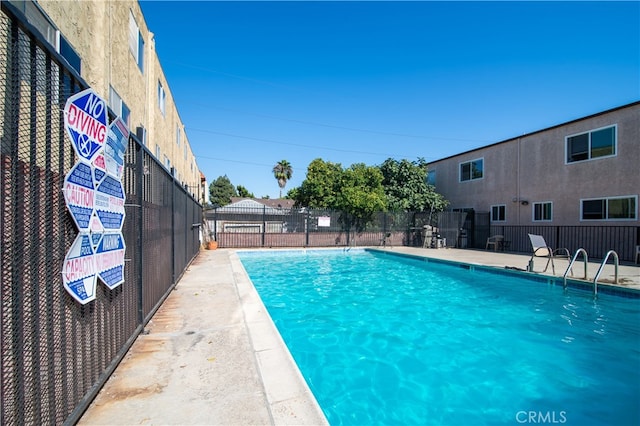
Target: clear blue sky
[[349, 82]]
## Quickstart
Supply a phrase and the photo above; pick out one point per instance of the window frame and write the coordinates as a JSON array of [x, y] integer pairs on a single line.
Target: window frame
[[162, 99], [136, 42], [589, 133], [118, 106], [606, 201], [502, 208], [542, 204], [470, 162]]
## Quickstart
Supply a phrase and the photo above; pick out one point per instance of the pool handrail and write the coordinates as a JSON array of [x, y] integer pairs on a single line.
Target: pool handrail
[[575, 256], [604, 262]]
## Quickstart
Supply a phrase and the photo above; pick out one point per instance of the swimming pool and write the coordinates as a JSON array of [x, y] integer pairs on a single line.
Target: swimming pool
[[386, 339]]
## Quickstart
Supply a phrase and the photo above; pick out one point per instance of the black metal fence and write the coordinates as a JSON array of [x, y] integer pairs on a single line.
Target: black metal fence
[[281, 227], [270, 227], [56, 354], [596, 240]]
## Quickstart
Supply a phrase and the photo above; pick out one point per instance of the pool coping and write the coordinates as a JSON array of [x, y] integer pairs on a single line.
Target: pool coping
[[290, 399], [572, 282]]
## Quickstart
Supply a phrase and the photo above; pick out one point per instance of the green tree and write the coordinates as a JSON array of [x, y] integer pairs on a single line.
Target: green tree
[[321, 187], [357, 191], [244, 192], [406, 188], [361, 196], [282, 171], [292, 194], [221, 190]]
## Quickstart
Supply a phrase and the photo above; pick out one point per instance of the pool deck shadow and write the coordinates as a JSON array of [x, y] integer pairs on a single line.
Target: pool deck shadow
[[211, 354]]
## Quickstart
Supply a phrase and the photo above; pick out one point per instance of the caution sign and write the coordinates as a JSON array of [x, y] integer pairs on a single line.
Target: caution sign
[[79, 270], [85, 118], [109, 256], [79, 195]]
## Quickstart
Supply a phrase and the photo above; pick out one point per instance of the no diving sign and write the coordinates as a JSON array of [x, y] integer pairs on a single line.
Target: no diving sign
[[85, 117]]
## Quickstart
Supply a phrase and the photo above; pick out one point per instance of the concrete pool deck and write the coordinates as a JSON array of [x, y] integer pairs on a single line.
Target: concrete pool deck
[[212, 355]]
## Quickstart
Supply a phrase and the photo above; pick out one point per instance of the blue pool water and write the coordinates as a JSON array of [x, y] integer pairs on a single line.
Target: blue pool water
[[385, 339]]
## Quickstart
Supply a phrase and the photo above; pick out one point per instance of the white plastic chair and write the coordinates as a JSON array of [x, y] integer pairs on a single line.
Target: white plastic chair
[[495, 241]]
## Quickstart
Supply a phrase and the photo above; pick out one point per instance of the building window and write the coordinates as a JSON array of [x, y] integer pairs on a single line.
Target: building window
[[498, 213], [136, 42], [472, 170], [431, 177], [613, 208], [161, 98], [69, 54], [594, 144], [167, 163], [178, 135], [118, 106], [542, 212], [40, 20], [158, 152]]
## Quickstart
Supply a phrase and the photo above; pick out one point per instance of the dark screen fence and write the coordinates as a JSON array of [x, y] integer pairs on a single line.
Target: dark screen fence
[[56, 353], [247, 227], [282, 227], [596, 240]]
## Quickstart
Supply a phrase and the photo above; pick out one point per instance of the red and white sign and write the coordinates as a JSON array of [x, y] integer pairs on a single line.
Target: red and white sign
[[85, 118], [79, 270], [79, 195]]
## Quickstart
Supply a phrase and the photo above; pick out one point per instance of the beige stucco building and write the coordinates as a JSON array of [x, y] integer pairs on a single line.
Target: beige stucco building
[[583, 172], [109, 45]]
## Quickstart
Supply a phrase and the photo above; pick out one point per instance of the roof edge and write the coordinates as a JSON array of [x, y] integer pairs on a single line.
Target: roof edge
[[608, 111]]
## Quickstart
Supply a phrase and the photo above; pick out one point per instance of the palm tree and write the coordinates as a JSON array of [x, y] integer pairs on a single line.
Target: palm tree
[[282, 171]]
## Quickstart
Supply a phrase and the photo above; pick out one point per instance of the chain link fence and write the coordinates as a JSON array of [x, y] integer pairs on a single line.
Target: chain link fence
[[56, 353]]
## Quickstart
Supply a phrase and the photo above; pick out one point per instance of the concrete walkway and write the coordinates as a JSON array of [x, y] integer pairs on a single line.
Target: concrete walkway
[[211, 354]]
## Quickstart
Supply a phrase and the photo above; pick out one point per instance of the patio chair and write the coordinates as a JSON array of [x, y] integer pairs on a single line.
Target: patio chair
[[495, 241], [541, 249]]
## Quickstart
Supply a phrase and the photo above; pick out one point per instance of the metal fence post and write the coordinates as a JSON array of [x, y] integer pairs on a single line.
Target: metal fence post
[[264, 223], [140, 237], [173, 227], [215, 224], [306, 227]]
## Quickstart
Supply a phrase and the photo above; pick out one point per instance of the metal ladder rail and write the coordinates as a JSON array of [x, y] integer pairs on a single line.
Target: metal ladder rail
[[604, 262], [575, 256]]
